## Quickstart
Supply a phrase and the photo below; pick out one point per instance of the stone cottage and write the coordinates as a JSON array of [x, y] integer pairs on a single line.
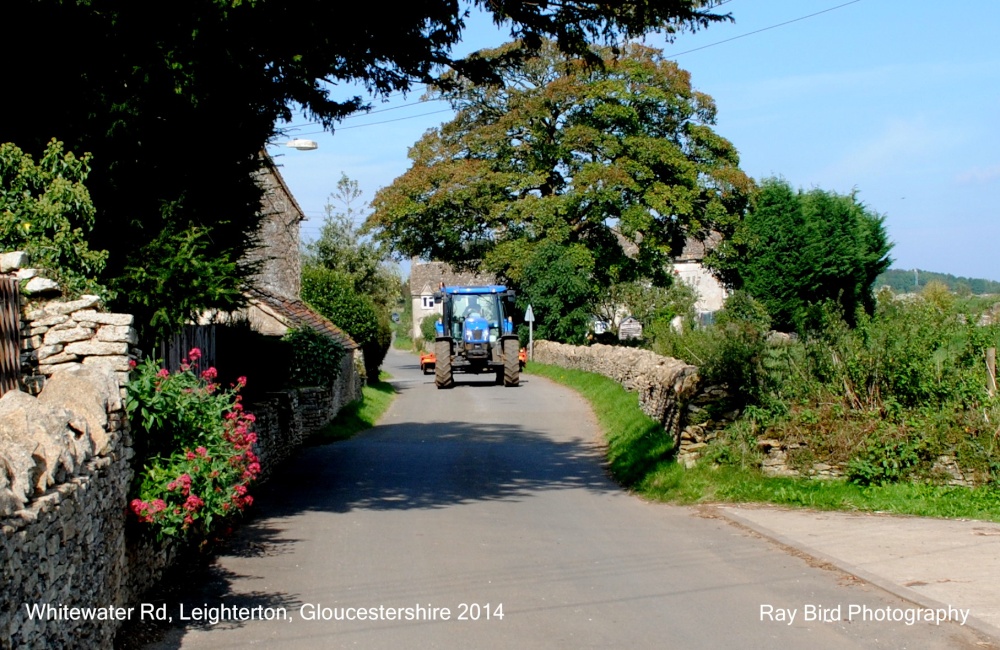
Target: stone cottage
[[427, 277]]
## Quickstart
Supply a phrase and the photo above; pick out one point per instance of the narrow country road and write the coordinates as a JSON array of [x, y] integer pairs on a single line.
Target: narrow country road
[[486, 501]]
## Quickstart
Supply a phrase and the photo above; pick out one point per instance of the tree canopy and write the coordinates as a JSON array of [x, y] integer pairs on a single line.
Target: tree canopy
[[797, 250], [342, 248], [176, 101], [616, 163]]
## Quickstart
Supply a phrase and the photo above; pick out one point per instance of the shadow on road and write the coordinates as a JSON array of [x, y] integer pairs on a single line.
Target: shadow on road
[[438, 465], [199, 586], [393, 467]]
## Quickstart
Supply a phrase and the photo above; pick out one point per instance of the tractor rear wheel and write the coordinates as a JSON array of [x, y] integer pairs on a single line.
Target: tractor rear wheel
[[442, 365], [511, 364]]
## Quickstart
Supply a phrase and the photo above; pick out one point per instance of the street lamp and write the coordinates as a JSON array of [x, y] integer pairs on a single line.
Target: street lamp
[[302, 144]]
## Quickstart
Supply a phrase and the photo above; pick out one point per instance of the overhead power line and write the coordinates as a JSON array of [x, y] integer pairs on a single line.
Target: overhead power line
[[674, 55], [763, 29]]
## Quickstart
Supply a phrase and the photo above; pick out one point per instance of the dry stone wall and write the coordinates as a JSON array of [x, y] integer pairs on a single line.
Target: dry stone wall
[[65, 451], [58, 333], [670, 391], [64, 474], [285, 419]]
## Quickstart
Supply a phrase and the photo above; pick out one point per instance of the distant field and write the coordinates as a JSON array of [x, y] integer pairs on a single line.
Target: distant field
[[905, 281]]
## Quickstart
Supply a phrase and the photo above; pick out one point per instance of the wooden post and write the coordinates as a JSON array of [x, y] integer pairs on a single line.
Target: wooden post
[[991, 371]]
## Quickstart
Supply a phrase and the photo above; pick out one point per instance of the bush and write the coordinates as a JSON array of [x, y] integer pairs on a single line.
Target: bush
[[906, 386], [428, 327], [46, 211], [802, 249], [332, 294], [314, 358], [884, 461], [198, 448]]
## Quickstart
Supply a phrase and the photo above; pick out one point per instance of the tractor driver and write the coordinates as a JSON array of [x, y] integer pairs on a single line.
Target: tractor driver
[[473, 308]]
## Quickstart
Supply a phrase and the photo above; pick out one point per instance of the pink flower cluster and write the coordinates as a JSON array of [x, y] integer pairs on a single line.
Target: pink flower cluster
[[211, 479], [145, 511], [183, 483], [238, 433]]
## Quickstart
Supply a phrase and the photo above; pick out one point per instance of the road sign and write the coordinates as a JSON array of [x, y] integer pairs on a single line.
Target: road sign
[[529, 318]]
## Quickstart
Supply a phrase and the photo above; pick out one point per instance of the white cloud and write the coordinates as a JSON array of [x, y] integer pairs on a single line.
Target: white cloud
[[979, 175], [901, 143]]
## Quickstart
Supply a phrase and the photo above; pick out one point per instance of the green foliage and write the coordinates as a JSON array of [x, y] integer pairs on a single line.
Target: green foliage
[[912, 281], [904, 386], [910, 354], [556, 284], [652, 306], [709, 484], [403, 328], [150, 87], [186, 258], [315, 358], [332, 294], [428, 327], [196, 448], [46, 211], [349, 279], [796, 251], [614, 164], [639, 458], [884, 461], [732, 353], [341, 248]]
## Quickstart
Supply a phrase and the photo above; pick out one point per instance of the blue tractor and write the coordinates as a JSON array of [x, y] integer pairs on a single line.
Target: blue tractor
[[476, 335]]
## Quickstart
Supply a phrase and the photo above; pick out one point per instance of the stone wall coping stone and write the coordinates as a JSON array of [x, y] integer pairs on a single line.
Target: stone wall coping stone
[[13, 261], [103, 318]]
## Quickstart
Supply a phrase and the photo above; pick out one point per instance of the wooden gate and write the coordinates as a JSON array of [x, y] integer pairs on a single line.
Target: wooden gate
[[191, 336], [10, 334]]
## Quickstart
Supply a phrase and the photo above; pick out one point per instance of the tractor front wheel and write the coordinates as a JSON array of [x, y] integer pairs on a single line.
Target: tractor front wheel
[[443, 377], [511, 364]]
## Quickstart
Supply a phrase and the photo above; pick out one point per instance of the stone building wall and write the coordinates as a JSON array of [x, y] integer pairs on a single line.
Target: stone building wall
[[280, 270]]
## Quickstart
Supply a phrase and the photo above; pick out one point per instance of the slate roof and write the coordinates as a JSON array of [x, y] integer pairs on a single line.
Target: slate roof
[[296, 314]]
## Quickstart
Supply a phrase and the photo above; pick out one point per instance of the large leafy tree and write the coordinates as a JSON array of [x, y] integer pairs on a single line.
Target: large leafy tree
[[175, 101], [797, 250], [616, 162]]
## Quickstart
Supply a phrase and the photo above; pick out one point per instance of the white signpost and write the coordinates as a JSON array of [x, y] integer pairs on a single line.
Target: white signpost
[[529, 318]]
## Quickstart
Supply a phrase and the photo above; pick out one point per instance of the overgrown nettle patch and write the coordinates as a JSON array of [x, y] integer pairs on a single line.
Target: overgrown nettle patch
[[197, 443]]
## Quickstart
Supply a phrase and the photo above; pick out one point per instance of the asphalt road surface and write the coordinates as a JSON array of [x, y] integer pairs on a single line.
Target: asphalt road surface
[[481, 517]]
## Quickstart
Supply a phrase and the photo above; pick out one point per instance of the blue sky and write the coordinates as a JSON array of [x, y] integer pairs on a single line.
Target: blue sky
[[898, 100]]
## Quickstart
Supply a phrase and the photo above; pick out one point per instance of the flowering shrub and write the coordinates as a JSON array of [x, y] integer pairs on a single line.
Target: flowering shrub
[[198, 447]]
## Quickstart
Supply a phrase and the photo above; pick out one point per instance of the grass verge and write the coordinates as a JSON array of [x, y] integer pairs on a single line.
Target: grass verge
[[639, 458], [359, 415]]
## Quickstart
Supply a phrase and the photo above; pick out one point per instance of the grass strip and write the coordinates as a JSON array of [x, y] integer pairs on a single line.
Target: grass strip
[[639, 458], [359, 415]]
